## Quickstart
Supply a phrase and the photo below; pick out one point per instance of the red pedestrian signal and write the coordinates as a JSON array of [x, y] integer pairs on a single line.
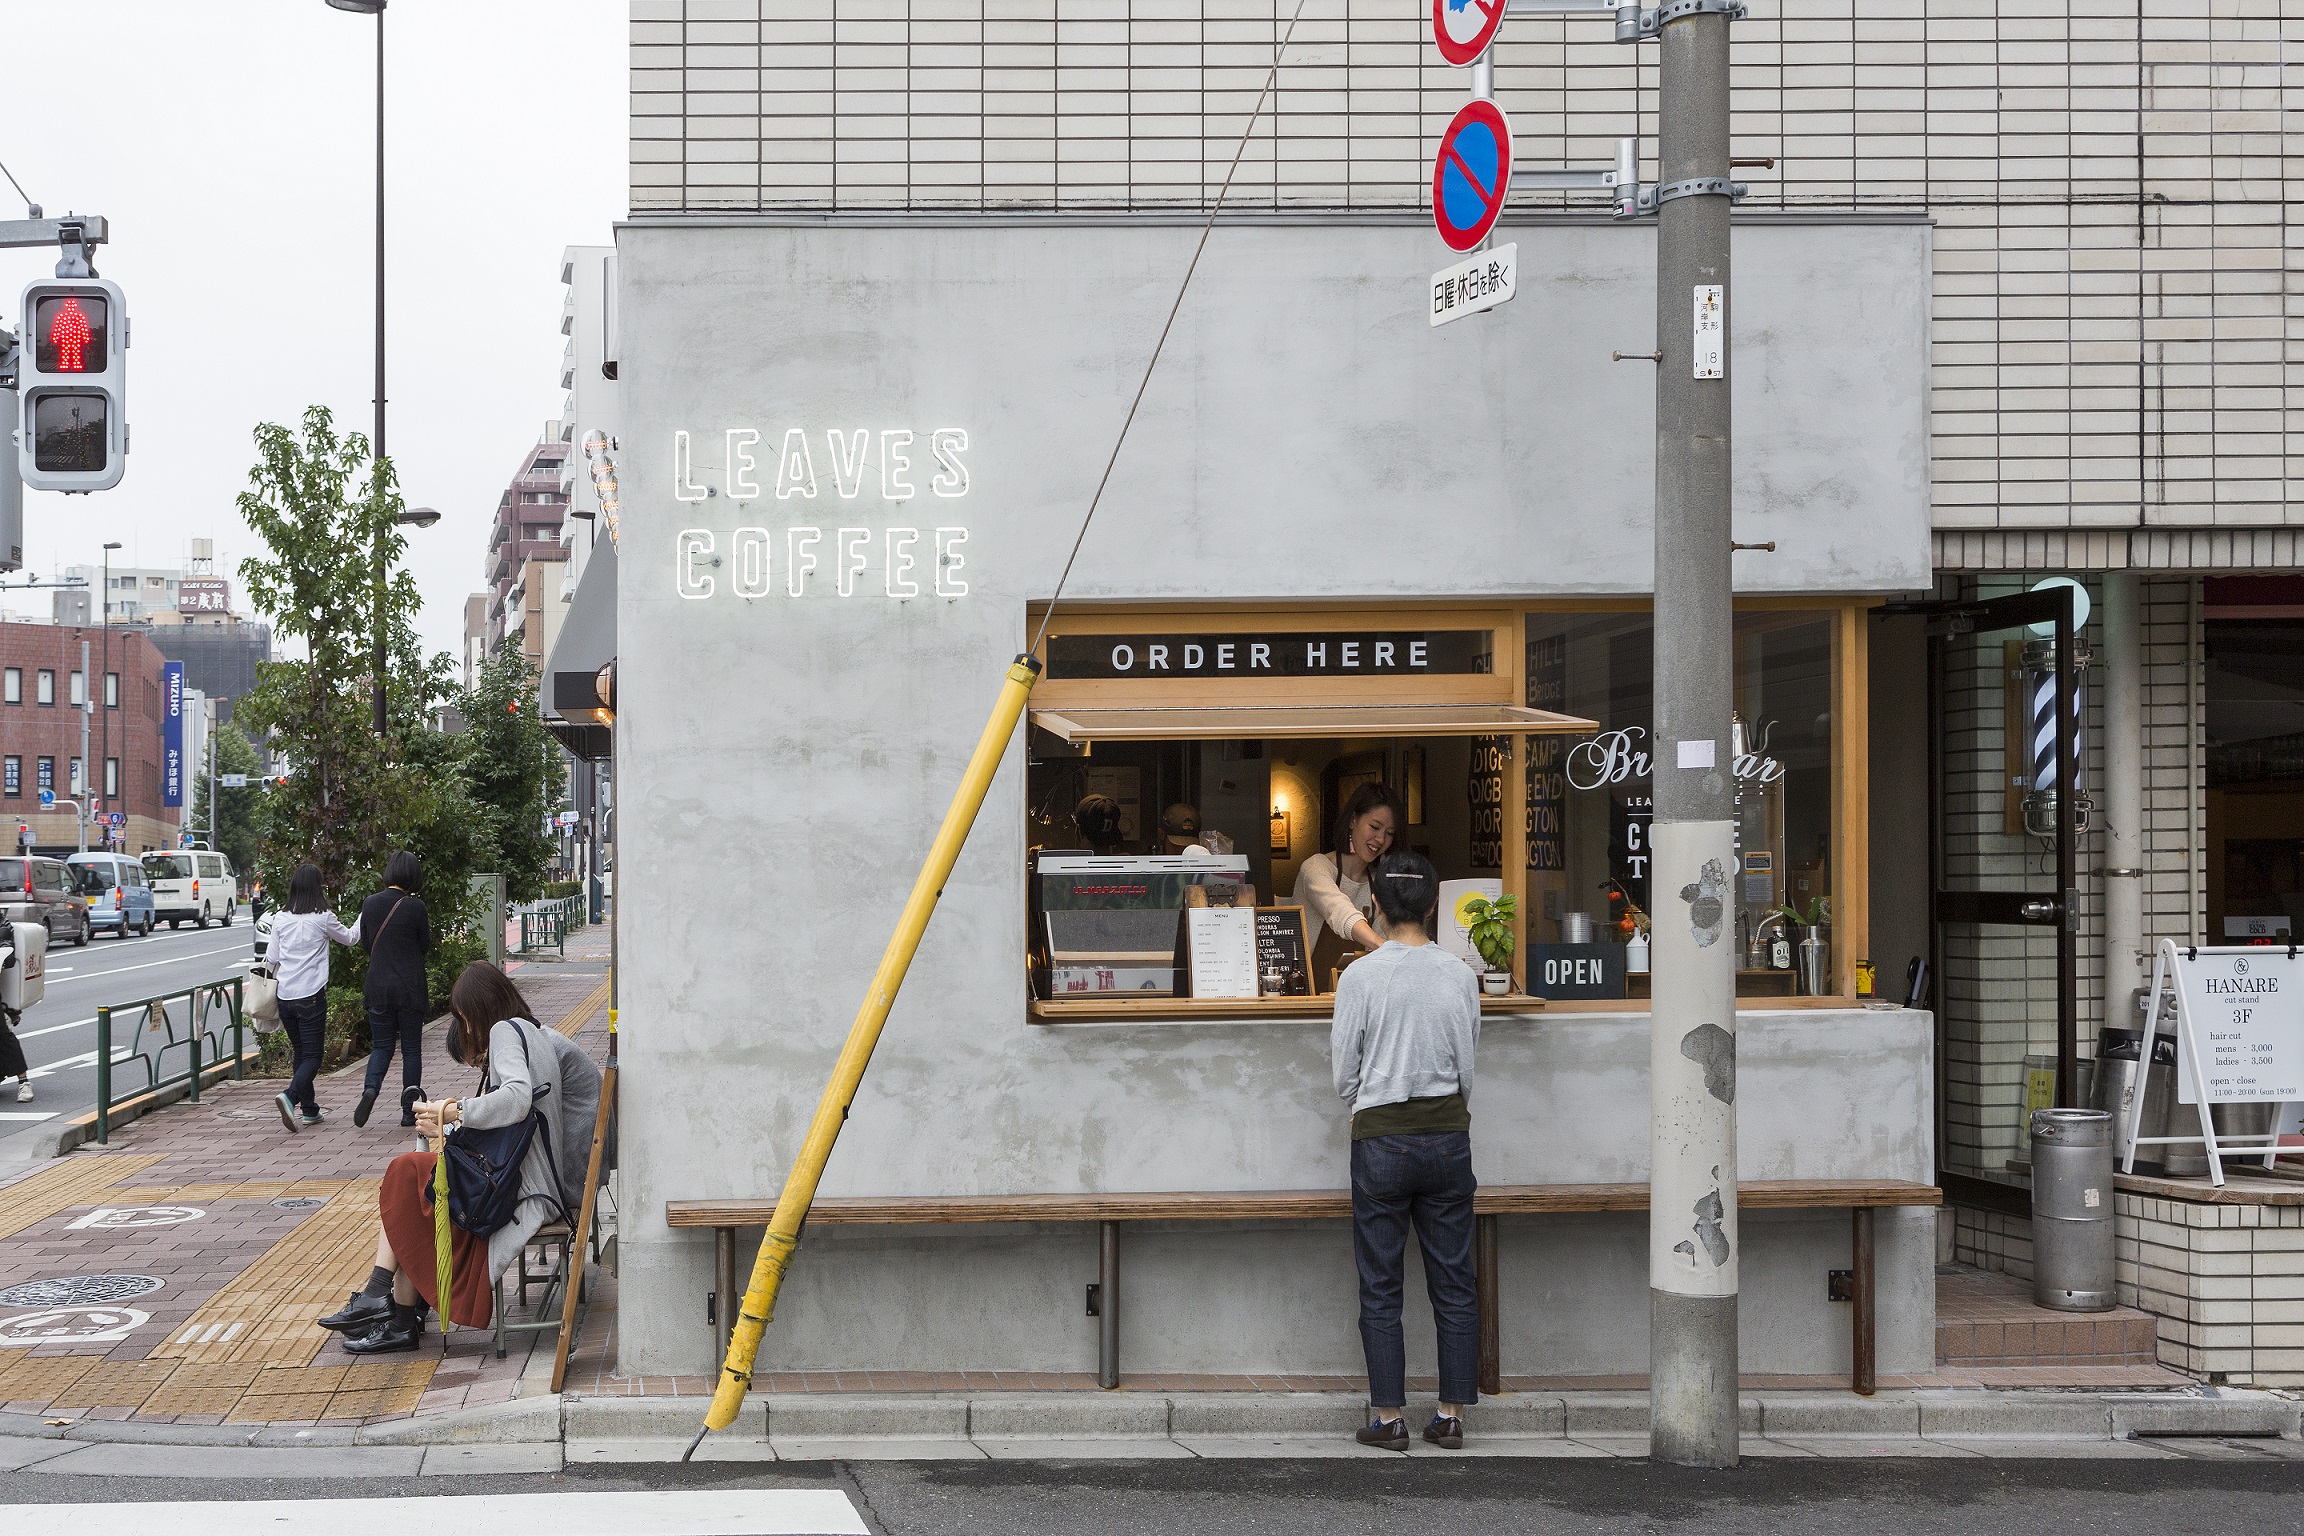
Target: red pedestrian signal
[[72, 333]]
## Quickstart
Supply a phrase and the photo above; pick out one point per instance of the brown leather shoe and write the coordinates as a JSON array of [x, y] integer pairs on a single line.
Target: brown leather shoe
[[1445, 1432], [1384, 1434]]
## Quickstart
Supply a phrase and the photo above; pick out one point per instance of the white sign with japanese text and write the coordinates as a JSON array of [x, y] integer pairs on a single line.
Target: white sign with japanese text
[[1481, 281]]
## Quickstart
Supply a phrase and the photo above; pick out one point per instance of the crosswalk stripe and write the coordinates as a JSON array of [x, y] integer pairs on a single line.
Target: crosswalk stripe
[[682, 1512]]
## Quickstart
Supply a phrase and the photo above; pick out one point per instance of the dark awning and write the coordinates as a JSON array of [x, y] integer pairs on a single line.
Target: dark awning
[[586, 643]]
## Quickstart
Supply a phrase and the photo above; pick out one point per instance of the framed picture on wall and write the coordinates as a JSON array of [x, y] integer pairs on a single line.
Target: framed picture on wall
[[1281, 836]]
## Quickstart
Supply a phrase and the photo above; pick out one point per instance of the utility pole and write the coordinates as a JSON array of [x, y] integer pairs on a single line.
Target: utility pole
[[1693, 1242]]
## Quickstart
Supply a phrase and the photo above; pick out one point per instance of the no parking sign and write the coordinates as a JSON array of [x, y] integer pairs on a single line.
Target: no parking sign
[[1463, 29], [1472, 174]]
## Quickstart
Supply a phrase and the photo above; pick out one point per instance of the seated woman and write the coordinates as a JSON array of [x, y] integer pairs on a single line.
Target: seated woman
[[524, 1066]]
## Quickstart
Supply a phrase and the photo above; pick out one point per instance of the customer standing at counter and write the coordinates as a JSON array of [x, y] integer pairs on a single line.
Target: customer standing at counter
[[1334, 886], [1407, 1020]]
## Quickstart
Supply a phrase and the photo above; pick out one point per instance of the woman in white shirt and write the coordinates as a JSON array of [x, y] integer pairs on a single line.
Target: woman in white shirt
[[1334, 886], [299, 960]]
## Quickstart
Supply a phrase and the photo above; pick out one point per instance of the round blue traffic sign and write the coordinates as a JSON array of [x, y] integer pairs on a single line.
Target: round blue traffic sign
[[1463, 29], [1472, 175]]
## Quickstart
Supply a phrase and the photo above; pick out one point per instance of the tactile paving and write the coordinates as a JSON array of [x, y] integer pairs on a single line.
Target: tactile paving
[[264, 1315], [82, 1179]]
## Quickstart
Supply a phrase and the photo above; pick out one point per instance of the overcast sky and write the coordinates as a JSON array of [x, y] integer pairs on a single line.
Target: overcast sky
[[231, 144]]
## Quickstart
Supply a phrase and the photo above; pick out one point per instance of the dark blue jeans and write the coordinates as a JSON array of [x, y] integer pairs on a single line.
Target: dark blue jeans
[[306, 1021], [393, 1020], [1425, 1182]]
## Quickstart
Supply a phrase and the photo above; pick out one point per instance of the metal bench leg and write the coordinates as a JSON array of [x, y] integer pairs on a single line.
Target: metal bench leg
[[1491, 1318], [723, 1291], [1862, 1323], [1108, 1306]]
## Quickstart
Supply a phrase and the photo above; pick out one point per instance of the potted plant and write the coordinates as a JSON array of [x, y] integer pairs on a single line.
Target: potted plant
[[1488, 924]]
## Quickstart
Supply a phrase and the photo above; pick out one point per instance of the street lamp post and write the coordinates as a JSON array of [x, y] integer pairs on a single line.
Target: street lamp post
[[375, 8]]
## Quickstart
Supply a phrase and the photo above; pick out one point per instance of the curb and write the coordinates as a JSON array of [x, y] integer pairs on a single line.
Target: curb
[[1967, 1414]]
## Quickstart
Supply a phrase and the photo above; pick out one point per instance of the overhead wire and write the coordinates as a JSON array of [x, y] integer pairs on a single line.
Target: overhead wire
[[29, 205], [1239, 151]]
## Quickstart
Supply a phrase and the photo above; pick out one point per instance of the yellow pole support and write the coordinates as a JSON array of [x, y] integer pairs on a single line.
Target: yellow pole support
[[783, 1236]]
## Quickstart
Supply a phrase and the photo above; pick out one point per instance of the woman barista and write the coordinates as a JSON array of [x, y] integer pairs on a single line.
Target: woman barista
[[1333, 887]]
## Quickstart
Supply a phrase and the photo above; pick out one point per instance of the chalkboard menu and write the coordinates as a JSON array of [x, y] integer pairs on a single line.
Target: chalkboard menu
[[1281, 946]]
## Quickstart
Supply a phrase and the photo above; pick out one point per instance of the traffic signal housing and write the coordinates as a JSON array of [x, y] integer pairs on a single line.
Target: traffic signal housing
[[72, 385]]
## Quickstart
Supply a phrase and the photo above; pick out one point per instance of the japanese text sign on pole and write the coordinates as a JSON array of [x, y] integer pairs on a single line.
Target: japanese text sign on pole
[[1465, 28], [172, 733], [1472, 175]]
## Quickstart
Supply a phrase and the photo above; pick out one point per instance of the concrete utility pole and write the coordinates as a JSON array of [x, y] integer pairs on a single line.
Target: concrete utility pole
[[87, 707], [1692, 1230]]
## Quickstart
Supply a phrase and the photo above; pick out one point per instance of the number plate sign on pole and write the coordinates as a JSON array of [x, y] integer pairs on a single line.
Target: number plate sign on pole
[[1464, 28], [1472, 175]]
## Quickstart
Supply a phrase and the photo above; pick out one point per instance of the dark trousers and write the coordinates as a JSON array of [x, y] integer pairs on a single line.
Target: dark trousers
[[393, 1019], [306, 1021], [1425, 1182]]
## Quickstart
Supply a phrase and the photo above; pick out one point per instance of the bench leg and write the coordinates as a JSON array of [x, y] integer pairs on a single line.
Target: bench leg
[[724, 1301], [1108, 1306], [1862, 1323], [1491, 1318]]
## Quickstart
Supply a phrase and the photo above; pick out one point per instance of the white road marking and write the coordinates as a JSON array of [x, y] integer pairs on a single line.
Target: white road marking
[[27, 1114], [122, 970], [717, 1512]]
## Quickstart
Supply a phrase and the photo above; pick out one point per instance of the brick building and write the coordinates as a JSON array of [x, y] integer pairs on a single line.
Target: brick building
[[41, 689]]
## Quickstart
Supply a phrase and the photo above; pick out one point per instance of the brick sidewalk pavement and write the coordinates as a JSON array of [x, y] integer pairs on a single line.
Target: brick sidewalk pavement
[[172, 1276]]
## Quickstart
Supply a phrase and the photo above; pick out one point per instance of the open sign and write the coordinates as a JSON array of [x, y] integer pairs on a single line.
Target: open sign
[[1576, 970]]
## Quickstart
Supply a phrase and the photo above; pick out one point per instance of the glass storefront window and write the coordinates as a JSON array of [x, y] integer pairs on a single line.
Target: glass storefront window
[[1589, 804]]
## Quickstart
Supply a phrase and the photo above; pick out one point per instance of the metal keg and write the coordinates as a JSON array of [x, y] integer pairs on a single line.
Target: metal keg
[[2072, 1246], [2118, 1059]]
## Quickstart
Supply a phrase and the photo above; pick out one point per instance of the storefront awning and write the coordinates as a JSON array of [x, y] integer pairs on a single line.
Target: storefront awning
[[1256, 722], [586, 643]]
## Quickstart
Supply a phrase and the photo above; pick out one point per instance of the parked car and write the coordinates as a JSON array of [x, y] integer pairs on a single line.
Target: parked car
[[41, 890], [192, 885], [263, 936], [119, 897]]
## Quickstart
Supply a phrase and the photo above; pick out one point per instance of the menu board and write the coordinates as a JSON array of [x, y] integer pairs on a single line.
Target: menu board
[[2245, 1016], [1281, 948], [1220, 949]]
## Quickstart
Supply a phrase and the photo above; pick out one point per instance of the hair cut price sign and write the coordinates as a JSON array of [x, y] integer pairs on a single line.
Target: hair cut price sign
[[1464, 28], [1472, 175]]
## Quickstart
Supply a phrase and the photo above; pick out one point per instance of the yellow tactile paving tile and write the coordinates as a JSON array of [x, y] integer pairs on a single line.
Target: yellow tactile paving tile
[[279, 1410], [81, 1179], [201, 1389], [26, 1378], [265, 1315], [116, 1384], [369, 1404], [290, 1380], [580, 1014]]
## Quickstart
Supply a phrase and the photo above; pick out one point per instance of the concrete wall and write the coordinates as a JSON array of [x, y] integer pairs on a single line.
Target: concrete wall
[[785, 759]]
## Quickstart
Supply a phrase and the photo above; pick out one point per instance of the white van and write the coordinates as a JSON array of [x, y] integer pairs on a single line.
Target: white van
[[192, 885]]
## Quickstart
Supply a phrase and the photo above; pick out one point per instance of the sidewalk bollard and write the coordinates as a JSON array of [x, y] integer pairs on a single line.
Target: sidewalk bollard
[[103, 1076], [239, 1035], [193, 1093], [2072, 1201]]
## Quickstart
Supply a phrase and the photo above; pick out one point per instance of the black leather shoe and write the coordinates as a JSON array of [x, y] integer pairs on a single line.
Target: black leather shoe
[[363, 1312], [399, 1331], [367, 1103], [1445, 1432], [1384, 1434]]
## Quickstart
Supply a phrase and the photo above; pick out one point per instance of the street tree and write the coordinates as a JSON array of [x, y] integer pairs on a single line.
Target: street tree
[[514, 769], [234, 834]]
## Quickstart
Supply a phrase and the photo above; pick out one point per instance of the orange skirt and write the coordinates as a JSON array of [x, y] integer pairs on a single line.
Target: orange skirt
[[405, 1204]]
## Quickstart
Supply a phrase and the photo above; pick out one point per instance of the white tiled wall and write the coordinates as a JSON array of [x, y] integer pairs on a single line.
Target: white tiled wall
[[2113, 180]]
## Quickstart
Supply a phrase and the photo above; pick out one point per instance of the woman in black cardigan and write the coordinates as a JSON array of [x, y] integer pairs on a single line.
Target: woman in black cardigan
[[397, 933]]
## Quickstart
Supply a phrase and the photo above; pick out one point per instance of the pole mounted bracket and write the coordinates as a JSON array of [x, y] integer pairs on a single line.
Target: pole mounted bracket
[[1653, 198], [1636, 24], [76, 235]]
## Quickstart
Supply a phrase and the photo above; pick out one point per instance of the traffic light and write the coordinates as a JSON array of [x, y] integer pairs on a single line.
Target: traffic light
[[73, 385]]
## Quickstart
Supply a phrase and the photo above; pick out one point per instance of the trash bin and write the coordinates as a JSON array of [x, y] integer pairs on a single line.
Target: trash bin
[[2072, 1247]]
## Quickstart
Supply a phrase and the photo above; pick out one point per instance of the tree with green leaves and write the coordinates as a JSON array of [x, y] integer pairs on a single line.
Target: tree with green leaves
[[514, 768], [234, 834]]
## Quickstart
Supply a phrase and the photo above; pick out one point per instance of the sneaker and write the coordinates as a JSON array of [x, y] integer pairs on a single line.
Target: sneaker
[[1385, 1434], [315, 1117], [24, 1091], [1445, 1432], [360, 1110], [287, 1108]]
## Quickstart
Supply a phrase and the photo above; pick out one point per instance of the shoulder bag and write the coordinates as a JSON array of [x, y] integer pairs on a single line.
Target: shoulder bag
[[260, 999], [484, 1165]]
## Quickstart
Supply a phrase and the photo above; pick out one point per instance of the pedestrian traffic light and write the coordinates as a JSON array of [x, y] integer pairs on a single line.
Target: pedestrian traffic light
[[73, 385]]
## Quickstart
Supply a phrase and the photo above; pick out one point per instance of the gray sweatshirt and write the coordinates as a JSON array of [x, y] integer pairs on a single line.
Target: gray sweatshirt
[[1406, 1024], [514, 1079]]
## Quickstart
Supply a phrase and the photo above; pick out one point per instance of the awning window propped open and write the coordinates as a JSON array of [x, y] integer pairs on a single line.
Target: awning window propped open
[[1256, 722]]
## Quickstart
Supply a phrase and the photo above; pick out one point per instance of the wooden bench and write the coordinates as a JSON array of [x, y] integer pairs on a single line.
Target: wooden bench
[[1109, 1211]]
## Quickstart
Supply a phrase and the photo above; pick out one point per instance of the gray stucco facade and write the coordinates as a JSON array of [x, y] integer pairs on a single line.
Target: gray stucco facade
[[785, 750]]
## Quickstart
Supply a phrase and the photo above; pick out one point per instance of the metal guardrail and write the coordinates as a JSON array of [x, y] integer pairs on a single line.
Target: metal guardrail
[[545, 924], [200, 1039]]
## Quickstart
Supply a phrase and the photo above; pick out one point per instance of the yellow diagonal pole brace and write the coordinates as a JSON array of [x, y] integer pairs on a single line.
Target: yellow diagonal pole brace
[[783, 1235]]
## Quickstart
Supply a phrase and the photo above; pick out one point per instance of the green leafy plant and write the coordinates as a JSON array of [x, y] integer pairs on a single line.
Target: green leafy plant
[[1818, 914], [1490, 929]]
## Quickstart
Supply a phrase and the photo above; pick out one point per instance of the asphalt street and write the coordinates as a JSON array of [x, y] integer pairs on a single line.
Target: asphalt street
[[59, 1033], [1471, 1497]]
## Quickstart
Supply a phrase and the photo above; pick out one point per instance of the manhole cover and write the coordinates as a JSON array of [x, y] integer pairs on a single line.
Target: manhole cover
[[298, 1203], [80, 1291], [235, 1114]]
